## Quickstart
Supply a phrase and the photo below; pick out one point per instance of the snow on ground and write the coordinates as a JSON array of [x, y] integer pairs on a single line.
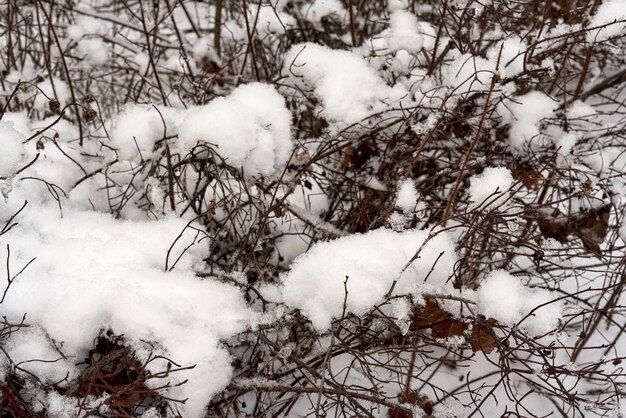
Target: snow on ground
[[609, 19], [91, 272]]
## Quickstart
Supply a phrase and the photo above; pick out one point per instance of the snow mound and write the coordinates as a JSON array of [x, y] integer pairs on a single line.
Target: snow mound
[[250, 129], [93, 272], [488, 189], [503, 297], [367, 265], [350, 90]]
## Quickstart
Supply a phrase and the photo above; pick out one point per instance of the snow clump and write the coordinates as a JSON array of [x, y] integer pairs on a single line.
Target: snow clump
[[350, 90], [319, 9], [488, 189], [524, 115], [367, 265], [93, 272], [404, 32], [137, 129], [503, 297], [250, 129]]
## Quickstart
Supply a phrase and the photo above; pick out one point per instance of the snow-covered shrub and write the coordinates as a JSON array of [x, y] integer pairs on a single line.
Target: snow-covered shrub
[[312, 208]]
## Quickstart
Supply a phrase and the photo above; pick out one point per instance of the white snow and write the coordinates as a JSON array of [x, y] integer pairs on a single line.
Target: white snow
[[468, 73], [403, 32], [490, 188], [57, 89], [93, 272], [250, 129], [348, 87], [503, 297], [87, 25], [610, 13], [367, 264], [94, 51], [314, 12], [31, 351], [407, 196], [524, 114], [511, 58], [270, 20], [137, 128], [306, 203], [12, 152]]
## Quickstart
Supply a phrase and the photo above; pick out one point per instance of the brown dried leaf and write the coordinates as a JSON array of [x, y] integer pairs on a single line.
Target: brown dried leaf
[[590, 226], [208, 65], [554, 225], [411, 397], [399, 413], [449, 328], [593, 227], [530, 178], [441, 322], [483, 336]]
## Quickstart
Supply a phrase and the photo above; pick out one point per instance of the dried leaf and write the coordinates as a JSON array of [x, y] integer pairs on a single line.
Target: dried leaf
[[529, 177], [442, 323], [208, 65], [399, 413], [592, 228], [411, 397], [483, 336], [554, 225], [449, 328]]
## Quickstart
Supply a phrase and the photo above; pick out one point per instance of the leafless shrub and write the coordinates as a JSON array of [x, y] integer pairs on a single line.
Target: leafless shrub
[[369, 365]]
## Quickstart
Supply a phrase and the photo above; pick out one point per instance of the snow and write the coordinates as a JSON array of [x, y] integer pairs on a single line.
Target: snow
[[12, 149], [94, 51], [469, 73], [32, 352], [367, 265], [94, 264], [47, 90], [524, 114], [404, 32], [304, 205], [580, 109], [314, 12], [250, 129], [503, 297], [270, 20], [93, 272], [489, 189], [137, 128], [406, 198], [609, 13], [393, 5], [350, 90], [87, 25], [511, 58]]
